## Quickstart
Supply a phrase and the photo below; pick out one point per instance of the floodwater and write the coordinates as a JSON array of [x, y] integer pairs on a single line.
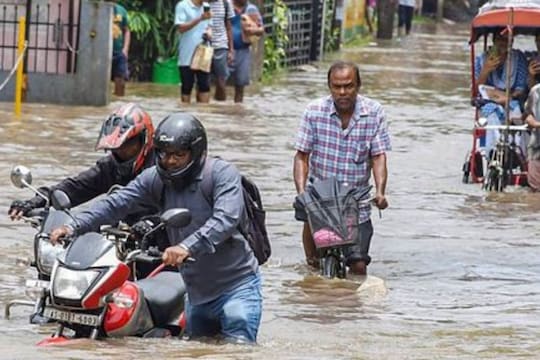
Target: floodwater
[[455, 272]]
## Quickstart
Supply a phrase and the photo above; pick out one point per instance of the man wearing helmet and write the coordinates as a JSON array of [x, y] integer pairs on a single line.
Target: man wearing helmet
[[127, 134], [223, 283]]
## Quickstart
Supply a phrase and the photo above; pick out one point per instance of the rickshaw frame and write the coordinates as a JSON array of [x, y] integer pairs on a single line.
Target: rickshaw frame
[[513, 20]]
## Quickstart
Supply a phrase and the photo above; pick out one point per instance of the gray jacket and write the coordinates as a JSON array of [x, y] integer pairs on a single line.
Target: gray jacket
[[223, 257]]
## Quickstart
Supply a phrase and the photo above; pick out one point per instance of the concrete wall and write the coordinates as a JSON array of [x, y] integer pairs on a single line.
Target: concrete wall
[[89, 85]]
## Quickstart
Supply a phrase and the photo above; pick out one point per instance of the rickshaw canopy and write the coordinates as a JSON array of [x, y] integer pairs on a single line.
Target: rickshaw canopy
[[522, 16]]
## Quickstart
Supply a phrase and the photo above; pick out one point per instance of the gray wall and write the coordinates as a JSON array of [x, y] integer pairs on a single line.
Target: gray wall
[[90, 84]]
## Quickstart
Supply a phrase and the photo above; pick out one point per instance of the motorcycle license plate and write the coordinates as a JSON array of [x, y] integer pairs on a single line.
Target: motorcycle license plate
[[71, 317]]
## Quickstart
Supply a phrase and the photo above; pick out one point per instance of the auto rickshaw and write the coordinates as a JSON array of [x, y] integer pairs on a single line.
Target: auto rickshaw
[[506, 163]]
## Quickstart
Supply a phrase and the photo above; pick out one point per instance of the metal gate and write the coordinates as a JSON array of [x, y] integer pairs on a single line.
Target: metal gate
[[52, 33], [303, 30]]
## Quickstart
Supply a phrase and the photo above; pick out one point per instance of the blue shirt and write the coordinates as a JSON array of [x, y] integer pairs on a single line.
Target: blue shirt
[[223, 257], [186, 12]]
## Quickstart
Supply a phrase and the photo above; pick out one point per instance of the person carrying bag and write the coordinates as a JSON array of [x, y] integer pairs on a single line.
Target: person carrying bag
[[202, 57]]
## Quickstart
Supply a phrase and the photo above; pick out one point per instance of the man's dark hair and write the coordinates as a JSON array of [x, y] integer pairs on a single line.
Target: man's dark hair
[[339, 65]]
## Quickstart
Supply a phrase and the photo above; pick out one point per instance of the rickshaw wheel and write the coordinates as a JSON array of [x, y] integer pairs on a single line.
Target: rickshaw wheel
[[466, 173], [494, 179]]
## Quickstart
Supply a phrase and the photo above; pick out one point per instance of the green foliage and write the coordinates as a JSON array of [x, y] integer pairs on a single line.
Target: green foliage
[[274, 43], [153, 33]]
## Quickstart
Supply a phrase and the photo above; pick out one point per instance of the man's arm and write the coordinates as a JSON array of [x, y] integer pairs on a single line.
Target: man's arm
[[229, 10], [300, 170], [485, 67], [134, 197], [89, 183], [228, 211], [230, 54], [83, 187], [112, 208], [380, 175], [127, 41], [186, 26]]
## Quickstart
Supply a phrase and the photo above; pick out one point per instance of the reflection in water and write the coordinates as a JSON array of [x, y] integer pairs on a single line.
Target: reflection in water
[[453, 274], [322, 300]]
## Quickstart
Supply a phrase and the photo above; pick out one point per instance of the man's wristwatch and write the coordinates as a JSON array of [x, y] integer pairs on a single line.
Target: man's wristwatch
[[183, 246]]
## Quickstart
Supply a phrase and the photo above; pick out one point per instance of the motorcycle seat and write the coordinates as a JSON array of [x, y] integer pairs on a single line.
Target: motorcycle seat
[[164, 294]]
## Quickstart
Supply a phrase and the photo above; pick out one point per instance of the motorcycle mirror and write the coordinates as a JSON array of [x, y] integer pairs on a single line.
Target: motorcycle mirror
[[176, 217], [21, 177], [60, 200]]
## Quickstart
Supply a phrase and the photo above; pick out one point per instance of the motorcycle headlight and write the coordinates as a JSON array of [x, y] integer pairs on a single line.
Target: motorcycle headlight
[[47, 254], [72, 284]]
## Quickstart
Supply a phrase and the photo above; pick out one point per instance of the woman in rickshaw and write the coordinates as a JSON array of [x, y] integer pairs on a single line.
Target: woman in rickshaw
[[490, 69]]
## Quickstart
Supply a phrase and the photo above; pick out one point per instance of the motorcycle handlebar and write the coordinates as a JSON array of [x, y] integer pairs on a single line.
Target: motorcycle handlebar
[[36, 213], [35, 217], [368, 201], [115, 231], [147, 258], [154, 256]]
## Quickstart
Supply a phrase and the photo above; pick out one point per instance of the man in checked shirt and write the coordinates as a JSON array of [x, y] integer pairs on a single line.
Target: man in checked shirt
[[345, 136]]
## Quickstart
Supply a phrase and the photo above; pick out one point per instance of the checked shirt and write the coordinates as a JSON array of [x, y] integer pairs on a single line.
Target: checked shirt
[[343, 153]]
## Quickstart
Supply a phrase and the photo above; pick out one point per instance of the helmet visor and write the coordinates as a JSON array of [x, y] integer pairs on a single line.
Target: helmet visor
[[114, 132]]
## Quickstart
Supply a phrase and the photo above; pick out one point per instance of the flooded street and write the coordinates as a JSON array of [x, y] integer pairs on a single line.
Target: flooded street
[[455, 271]]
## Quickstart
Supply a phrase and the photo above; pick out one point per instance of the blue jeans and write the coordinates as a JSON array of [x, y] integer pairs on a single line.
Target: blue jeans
[[235, 314]]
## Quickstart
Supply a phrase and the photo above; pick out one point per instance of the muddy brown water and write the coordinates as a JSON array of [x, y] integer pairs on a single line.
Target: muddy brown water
[[455, 271]]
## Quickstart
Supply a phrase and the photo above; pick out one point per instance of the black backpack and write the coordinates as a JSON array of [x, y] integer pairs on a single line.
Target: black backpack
[[255, 234]]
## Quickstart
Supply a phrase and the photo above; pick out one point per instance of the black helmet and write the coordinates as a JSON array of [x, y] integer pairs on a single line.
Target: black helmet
[[180, 131]]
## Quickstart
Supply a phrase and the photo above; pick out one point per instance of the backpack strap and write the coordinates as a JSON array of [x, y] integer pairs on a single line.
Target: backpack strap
[[207, 182], [158, 189], [207, 186]]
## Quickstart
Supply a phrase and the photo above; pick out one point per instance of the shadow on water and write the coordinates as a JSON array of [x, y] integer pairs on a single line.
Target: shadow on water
[[453, 274]]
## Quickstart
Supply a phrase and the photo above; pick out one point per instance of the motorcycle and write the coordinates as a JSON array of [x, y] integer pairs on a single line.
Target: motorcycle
[[91, 296], [90, 293], [44, 220]]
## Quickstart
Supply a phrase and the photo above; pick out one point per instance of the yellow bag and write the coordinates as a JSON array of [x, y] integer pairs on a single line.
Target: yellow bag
[[202, 57]]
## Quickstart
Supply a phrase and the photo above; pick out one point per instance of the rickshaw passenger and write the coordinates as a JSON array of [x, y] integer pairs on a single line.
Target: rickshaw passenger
[[490, 69]]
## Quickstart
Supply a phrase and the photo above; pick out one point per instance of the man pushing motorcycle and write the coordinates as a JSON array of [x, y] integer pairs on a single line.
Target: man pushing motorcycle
[[223, 282]]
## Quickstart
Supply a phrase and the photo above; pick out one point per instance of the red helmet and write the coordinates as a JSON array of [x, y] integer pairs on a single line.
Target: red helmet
[[125, 123]]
